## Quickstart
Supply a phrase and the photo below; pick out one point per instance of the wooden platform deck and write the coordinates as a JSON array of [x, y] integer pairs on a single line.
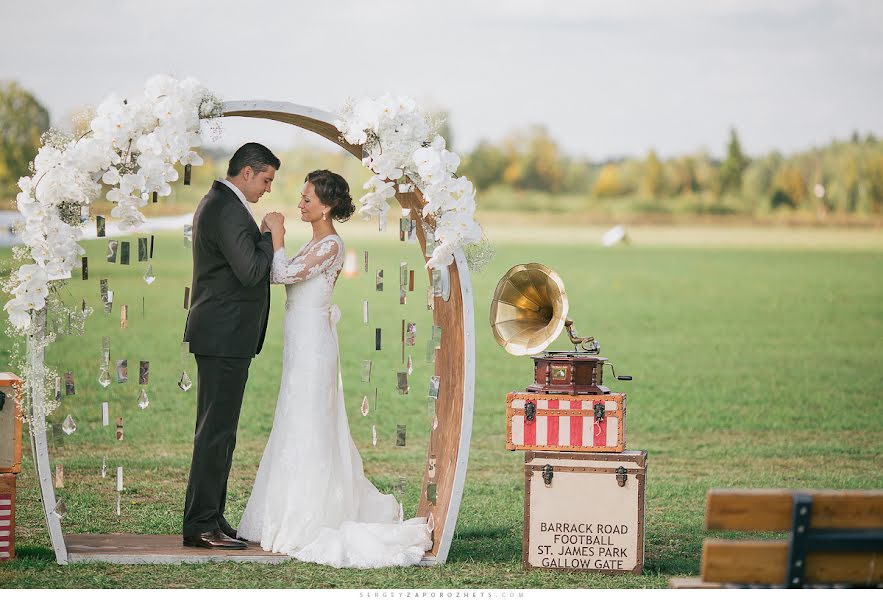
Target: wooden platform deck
[[131, 549]]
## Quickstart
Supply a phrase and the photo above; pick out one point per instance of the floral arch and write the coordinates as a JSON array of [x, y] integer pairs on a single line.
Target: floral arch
[[388, 134]]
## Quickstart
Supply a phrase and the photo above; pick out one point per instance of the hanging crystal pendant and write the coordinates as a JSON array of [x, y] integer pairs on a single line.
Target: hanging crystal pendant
[[410, 365], [364, 406], [430, 523], [60, 508], [435, 422], [58, 389], [104, 468], [184, 383], [149, 277], [374, 435], [143, 402], [69, 426], [104, 377]]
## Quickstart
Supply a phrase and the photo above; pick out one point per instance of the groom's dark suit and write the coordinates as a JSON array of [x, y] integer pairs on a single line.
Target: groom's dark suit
[[225, 327]]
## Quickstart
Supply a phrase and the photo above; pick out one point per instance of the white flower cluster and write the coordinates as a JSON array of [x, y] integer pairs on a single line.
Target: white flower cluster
[[132, 147], [395, 136]]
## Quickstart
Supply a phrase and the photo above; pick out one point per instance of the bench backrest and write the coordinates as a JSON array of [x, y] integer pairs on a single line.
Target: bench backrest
[[835, 536]]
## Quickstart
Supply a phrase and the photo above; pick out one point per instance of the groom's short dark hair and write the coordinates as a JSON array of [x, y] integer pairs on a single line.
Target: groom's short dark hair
[[254, 155]]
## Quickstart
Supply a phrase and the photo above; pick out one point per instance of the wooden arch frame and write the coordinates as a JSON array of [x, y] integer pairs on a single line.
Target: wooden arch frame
[[454, 363]]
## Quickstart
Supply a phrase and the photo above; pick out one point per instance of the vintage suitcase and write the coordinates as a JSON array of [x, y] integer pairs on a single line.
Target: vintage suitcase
[[7, 516], [536, 421], [10, 423], [584, 511]]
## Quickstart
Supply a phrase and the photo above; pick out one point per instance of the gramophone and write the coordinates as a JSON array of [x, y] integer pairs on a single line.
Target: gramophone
[[528, 312]]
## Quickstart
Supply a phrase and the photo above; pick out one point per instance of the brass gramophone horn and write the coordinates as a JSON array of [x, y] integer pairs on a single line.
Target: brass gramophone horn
[[529, 309]]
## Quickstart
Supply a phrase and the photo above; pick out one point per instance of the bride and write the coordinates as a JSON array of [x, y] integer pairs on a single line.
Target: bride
[[311, 498]]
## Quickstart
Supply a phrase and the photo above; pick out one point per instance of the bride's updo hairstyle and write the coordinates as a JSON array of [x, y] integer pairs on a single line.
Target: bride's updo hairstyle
[[334, 192]]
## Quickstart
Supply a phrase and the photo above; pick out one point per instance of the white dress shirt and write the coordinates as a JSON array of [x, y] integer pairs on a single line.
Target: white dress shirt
[[239, 195]]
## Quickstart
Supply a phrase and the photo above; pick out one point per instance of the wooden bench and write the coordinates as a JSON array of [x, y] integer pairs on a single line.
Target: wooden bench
[[835, 537]]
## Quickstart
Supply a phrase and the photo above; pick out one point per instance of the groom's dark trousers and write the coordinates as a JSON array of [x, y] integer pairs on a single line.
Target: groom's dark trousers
[[225, 327]]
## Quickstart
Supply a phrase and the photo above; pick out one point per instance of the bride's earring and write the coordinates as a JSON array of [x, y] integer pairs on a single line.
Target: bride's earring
[[324, 216]]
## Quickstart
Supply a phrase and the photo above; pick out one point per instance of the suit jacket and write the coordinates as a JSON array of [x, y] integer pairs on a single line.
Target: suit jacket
[[230, 296]]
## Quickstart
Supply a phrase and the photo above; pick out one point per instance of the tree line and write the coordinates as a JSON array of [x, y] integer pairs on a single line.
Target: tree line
[[843, 177]]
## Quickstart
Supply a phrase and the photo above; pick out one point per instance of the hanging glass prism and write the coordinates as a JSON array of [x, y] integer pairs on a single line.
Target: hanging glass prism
[[433, 386], [105, 351], [188, 235], [403, 274], [365, 312], [123, 371], [430, 467], [366, 371], [57, 389], [402, 382], [59, 475], [124, 253], [410, 365], [60, 508], [69, 389], [429, 236], [435, 422], [69, 425], [364, 406], [104, 467], [366, 261], [112, 246], [400, 435], [430, 523], [100, 228], [85, 268], [184, 383], [124, 316], [119, 429], [143, 402], [411, 334], [142, 249], [378, 280], [144, 372], [149, 277], [431, 493], [105, 414], [104, 378], [374, 435]]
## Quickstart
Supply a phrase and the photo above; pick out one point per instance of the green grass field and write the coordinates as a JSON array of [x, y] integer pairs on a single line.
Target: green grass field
[[755, 364]]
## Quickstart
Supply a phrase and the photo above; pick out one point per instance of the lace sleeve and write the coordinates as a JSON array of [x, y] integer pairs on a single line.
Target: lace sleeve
[[305, 265]]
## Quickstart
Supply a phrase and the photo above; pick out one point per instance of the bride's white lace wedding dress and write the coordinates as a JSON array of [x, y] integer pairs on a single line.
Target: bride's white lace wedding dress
[[311, 498]]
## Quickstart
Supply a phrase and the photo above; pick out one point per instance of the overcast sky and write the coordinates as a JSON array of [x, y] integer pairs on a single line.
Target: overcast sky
[[606, 78]]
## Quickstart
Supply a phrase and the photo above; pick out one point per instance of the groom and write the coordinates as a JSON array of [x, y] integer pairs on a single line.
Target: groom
[[226, 327]]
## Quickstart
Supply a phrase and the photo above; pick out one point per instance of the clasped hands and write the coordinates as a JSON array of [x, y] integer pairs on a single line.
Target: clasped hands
[[273, 222]]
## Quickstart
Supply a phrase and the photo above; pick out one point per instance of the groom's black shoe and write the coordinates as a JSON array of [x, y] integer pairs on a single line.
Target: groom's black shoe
[[227, 530], [214, 540]]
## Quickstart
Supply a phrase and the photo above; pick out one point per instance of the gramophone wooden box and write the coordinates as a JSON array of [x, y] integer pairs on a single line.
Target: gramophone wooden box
[[568, 373], [584, 511], [566, 423]]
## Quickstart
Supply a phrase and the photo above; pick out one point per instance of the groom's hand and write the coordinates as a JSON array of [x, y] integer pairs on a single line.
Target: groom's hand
[[274, 221]]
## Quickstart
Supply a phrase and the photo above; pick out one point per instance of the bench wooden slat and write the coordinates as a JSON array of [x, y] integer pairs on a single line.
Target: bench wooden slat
[[691, 583], [763, 562], [770, 509]]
